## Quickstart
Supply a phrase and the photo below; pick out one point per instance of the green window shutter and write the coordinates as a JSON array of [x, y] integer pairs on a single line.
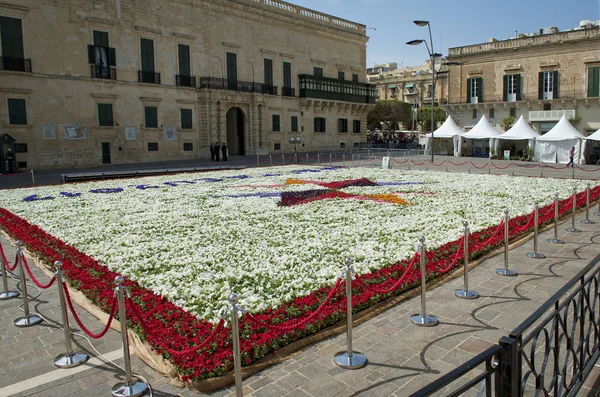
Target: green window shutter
[[184, 59], [355, 78], [105, 115], [186, 119], [341, 75], [541, 86], [276, 122], [469, 87], [268, 71], [555, 86], [505, 90], [151, 116], [518, 86], [17, 111], [318, 72], [594, 81], [287, 75], [232, 66], [100, 39], [11, 32], [147, 47], [112, 57], [91, 54], [316, 124], [294, 124], [480, 90], [356, 126]]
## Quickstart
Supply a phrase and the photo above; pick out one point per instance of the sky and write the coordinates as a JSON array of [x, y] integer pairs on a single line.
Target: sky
[[453, 23]]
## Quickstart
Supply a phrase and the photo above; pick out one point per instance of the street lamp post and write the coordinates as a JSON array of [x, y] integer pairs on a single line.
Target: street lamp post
[[295, 141]]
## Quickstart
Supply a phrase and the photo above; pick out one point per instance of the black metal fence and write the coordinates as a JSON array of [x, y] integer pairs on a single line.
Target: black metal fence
[[15, 64], [102, 72], [216, 83], [185, 81], [549, 354], [148, 77]]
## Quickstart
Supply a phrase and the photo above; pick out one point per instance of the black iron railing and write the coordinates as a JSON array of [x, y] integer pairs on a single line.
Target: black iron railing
[[288, 91], [336, 90], [216, 83], [148, 77], [15, 64], [185, 81], [549, 354], [102, 72]]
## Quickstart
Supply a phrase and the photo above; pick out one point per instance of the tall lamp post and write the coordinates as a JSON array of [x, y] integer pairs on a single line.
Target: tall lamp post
[[432, 56], [295, 141]]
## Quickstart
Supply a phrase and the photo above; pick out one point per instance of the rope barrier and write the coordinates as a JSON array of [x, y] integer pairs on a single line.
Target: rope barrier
[[78, 320], [550, 210], [499, 167], [527, 165], [6, 264], [374, 289], [584, 170], [478, 245], [36, 282], [399, 162], [456, 256], [556, 168], [520, 229], [437, 165], [457, 165], [479, 168], [415, 163]]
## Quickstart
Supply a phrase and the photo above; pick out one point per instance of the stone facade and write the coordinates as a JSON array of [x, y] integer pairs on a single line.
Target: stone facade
[[69, 77], [554, 72]]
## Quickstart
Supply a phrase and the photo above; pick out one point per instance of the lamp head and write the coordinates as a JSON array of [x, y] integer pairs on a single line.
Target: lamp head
[[415, 42], [421, 23]]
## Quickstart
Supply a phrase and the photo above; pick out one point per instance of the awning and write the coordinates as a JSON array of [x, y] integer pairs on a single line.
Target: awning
[[409, 85], [392, 87]]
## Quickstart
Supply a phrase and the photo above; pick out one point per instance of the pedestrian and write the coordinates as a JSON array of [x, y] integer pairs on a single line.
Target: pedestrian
[[217, 155], [224, 150], [212, 152], [10, 159], [571, 157]]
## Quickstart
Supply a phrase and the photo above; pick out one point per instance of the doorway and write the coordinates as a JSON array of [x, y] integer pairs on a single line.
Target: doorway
[[105, 152], [236, 131]]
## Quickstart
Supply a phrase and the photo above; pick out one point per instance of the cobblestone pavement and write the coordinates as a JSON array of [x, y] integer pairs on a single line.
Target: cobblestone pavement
[[402, 357]]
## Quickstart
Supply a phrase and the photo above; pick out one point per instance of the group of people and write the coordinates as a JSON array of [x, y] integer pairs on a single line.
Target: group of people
[[216, 150]]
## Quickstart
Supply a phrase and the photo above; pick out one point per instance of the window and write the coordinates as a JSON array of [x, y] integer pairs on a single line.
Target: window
[[183, 51], [429, 90], [188, 147], [318, 72], [547, 106], [20, 148], [342, 125], [341, 75], [356, 126], [11, 31], [147, 53], [153, 146], [268, 71], [474, 113], [512, 87], [231, 71], [492, 113], [355, 78], [548, 85], [105, 115], [277, 146], [475, 90], [287, 80], [151, 116], [320, 124], [294, 123], [276, 121], [513, 112], [17, 112], [186, 119], [356, 145], [102, 57], [594, 81]]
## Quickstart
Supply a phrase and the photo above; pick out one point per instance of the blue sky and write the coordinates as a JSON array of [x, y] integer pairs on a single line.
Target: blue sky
[[454, 23]]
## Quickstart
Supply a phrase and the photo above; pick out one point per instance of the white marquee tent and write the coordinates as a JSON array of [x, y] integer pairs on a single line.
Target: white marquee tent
[[594, 137], [448, 130], [521, 131], [554, 146], [483, 130]]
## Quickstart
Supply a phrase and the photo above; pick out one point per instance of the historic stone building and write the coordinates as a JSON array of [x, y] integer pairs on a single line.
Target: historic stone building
[[87, 82], [541, 76]]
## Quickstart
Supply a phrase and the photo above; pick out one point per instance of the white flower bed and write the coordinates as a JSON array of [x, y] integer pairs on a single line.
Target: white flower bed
[[195, 245]]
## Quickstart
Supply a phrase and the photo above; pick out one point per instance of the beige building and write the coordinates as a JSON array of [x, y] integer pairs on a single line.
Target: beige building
[[84, 82], [541, 76]]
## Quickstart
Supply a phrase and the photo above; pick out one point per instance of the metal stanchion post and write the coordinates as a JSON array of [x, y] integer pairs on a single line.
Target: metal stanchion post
[[597, 213], [587, 206], [349, 359], [542, 170], [257, 160], [423, 319], [270, 160], [6, 294], [465, 293], [318, 159], [330, 159], [306, 158], [506, 271], [572, 229], [32, 177], [235, 334], [28, 319], [283, 158], [535, 254], [344, 159], [132, 387], [69, 359], [556, 240]]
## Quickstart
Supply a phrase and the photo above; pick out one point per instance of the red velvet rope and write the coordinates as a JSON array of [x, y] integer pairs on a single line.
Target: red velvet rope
[[37, 283], [547, 212], [415, 163], [583, 169], [479, 168], [399, 162], [438, 165], [113, 308], [456, 256], [383, 291], [556, 168], [527, 165], [5, 261], [489, 240], [458, 165], [520, 229], [498, 167]]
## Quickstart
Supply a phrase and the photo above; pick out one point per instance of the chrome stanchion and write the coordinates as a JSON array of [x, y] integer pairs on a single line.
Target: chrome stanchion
[[465, 293], [6, 294], [270, 160], [349, 359], [235, 334], [330, 160], [587, 206], [132, 387], [344, 159], [556, 240], [69, 359], [423, 319], [32, 177], [542, 170], [28, 319], [318, 159], [283, 158], [257, 160], [306, 158], [597, 213], [573, 229], [535, 254], [506, 271]]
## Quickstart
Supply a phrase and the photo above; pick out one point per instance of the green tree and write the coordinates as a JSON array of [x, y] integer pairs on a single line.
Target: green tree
[[507, 123], [575, 120], [390, 112], [424, 117]]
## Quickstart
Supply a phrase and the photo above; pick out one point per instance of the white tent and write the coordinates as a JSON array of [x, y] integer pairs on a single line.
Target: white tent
[[448, 130], [554, 146], [594, 137], [518, 132], [483, 130]]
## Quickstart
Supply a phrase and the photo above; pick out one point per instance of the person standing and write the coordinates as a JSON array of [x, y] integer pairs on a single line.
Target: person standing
[[571, 157], [10, 159], [217, 155], [212, 152], [224, 150]]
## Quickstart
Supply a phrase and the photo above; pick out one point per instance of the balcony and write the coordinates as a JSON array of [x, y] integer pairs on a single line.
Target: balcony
[[148, 77], [15, 64], [288, 91], [185, 81], [550, 115], [215, 83], [102, 72], [336, 90]]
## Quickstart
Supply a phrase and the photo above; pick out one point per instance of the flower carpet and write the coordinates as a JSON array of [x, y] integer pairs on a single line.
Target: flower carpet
[[277, 237]]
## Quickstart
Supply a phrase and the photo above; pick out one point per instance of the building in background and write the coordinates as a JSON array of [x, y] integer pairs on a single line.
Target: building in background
[[541, 76], [109, 81]]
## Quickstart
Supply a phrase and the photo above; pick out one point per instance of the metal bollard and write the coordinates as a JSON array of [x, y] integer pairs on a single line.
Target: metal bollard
[[283, 158], [349, 359], [235, 334], [330, 159], [423, 319], [465, 293], [556, 240], [28, 319], [572, 229], [587, 207], [132, 387], [6, 294], [306, 158], [506, 271], [69, 359], [542, 170], [344, 159], [257, 160], [535, 254], [32, 178], [270, 160], [318, 159]]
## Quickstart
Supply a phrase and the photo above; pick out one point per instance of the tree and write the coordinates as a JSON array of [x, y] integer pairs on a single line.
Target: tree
[[424, 117], [575, 120], [390, 112], [507, 123]]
